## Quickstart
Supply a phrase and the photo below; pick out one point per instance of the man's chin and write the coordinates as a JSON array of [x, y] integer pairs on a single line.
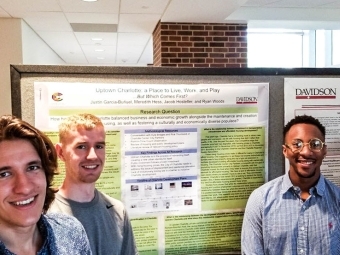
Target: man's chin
[[90, 178], [306, 175]]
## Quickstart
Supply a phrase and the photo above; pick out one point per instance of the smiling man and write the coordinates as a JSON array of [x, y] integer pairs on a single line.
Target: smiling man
[[299, 212], [28, 162], [82, 147]]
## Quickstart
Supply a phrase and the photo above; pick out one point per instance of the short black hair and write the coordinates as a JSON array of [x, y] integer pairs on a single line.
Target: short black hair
[[304, 119]]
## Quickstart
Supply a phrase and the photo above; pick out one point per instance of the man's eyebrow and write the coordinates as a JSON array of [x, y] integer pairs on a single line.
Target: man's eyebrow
[[80, 143], [33, 162], [3, 168]]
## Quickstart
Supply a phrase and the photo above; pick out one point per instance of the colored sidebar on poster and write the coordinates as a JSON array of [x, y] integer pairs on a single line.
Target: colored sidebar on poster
[[318, 97], [182, 157]]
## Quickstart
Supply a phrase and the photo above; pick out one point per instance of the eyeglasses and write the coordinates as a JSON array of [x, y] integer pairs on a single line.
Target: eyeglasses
[[314, 144]]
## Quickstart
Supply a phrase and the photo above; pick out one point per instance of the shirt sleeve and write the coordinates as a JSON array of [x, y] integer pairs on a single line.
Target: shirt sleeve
[[85, 244], [66, 235], [251, 235]]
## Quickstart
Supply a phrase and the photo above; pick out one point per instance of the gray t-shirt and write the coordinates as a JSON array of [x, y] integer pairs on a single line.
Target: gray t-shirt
[[105, 221]]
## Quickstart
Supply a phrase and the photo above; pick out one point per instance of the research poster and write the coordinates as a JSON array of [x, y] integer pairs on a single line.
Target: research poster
[[318, 97], [183, 158]]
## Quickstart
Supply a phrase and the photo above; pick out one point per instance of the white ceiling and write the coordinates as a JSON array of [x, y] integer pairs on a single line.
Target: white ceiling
[[136, 20]]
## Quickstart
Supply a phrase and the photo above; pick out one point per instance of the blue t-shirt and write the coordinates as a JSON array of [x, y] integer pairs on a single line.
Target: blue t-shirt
[[62, 235]]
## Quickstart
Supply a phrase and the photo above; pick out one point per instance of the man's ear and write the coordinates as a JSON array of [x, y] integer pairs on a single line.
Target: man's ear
[[60, 152], [284, 150]]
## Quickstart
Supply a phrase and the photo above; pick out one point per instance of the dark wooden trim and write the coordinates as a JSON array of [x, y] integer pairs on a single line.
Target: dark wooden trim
[[54, 69], [15, 91]]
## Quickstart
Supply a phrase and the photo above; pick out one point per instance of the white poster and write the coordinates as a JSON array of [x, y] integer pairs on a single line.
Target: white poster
[[180, 156], [318, 97]]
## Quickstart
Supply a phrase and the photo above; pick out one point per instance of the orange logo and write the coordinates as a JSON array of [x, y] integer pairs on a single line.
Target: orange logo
[[57, 97]]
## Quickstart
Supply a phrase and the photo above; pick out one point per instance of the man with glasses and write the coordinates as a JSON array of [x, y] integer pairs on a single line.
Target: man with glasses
[[299, 212]]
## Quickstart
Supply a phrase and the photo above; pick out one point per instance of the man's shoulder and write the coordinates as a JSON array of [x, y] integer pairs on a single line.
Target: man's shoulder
[[332, 188], [269, 190], [59, 204], [66, 235], [110, 200], [272, 184], [62, 221], [265, 194]]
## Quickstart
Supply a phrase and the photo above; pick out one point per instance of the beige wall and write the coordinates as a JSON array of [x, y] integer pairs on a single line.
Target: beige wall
[[10, 53], [19, 44]]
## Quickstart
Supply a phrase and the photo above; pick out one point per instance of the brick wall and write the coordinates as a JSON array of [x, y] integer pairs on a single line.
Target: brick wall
[[200, 45], [156, 36]]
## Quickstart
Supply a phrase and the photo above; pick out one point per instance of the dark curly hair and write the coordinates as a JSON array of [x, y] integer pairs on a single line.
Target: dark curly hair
[[304, 119], [12, 128]]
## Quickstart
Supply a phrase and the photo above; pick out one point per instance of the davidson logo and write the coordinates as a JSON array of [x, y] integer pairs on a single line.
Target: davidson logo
[[246, 100], [316, 93]]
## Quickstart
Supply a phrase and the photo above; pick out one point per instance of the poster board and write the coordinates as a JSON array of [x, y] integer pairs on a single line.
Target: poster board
[[24, 78], [318, 97]]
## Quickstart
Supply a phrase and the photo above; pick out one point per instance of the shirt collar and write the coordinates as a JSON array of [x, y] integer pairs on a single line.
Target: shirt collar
[[46, 233], [320, 186], [287, 184]]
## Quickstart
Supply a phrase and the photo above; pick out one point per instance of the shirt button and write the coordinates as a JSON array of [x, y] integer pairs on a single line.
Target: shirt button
[[301, 251], [302, 228]]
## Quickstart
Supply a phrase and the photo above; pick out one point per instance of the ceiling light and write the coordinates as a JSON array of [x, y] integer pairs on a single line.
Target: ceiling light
[[94, 27], [90, 0], [98, 50], [96, 39], [100, 58]]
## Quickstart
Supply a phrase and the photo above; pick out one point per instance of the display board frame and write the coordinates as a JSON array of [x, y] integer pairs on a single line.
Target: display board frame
[[22, 99], [23, 78]]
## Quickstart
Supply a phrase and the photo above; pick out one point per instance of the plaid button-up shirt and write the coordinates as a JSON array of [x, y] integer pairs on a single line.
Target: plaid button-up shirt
[[277, 221]]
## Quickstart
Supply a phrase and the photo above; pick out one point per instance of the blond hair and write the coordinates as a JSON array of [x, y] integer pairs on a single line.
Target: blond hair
[[81, 120]]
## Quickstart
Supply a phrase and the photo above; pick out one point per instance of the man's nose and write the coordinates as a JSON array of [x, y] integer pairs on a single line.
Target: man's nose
[[22, 183], [92, 153], [305, 148]]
